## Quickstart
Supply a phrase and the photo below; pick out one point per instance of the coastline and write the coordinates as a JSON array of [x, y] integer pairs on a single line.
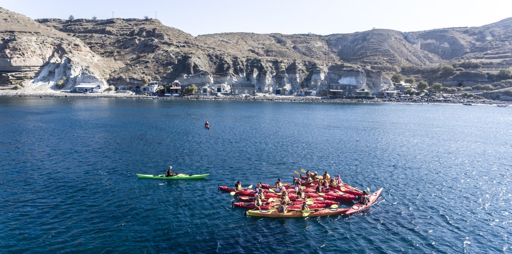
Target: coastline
[[260, 97]]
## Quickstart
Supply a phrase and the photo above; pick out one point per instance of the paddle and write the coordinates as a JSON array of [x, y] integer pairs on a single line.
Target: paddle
[[271, 190], [270, 200], [303, 187], [321, 194], [309, 200], [303, 171], [296, 172], [334, 206], [250, 186], [305, 213], [368, 190], [309, 203], [232, 193]]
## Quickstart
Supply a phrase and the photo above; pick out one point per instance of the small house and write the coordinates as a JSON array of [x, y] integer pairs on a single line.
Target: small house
[[88, 88]]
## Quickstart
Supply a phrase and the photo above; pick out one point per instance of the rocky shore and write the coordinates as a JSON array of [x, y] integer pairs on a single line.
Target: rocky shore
[[265, 97]]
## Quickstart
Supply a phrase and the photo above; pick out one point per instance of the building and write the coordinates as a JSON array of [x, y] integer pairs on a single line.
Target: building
[[175, 88], [88, 88], [244, 89], [150, 88]]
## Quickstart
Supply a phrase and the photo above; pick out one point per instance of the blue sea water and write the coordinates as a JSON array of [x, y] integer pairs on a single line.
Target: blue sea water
[[68, 179]]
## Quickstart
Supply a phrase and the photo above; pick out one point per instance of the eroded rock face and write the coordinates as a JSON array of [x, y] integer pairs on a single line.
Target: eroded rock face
[[35, 57]]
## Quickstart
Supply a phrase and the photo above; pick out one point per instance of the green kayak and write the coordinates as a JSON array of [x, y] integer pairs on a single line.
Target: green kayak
[[178, 177]]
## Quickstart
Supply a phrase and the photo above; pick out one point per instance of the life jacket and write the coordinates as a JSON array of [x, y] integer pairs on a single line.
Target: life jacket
[[238, 187], [258, 202]]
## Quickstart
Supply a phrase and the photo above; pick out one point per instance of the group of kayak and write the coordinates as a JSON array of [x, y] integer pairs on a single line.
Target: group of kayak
[[309, 196]]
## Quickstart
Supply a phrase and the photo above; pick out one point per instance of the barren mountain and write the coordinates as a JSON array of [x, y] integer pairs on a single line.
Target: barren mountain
[[132, 52]]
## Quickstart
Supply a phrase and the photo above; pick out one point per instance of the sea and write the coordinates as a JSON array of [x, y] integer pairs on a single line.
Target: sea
[[69, 182]]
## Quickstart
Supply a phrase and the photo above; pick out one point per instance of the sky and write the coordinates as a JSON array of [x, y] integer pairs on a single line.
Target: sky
[[322, 17]]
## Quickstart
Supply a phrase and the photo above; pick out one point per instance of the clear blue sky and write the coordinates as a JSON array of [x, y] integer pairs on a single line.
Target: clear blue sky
[[279, 16]]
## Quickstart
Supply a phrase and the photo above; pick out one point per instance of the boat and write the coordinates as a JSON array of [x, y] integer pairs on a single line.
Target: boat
[[296, 213], [207, 126], [176, 177], [360, 207], [502, 105]]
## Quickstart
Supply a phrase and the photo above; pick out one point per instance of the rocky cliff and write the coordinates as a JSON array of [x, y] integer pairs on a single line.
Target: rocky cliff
[[36, 57], [131, 52]]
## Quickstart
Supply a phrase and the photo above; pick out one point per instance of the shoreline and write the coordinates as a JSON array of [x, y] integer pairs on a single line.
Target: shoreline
[[261, 98]]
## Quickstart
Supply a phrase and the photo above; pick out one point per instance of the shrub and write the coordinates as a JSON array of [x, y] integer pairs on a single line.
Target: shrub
[[436, 87], [410, 69], [409, 80], [447, 70], [469, 65], [61, 83], [483, 87], [504, 74], [110, 88], [71, 18], [397, 78], [508, 92], [409, 91], [191, 89], [422, 85], [94, 18]]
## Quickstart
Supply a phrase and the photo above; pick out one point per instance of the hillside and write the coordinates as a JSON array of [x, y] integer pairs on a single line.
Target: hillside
[[132, 52]]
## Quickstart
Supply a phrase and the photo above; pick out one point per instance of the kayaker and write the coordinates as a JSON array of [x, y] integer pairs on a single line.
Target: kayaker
[[238, 186], [305, 206], [333, 183], [340, 182], [309, 180], [169, 172], [326, 184], [317, 177], [260, 194], [258, 187], [318, 188], [297, 187], [282, 207], [257, 203], [279, 185], [284, 197], [326, 176], [207, 124], [301, 194], [363, 199]]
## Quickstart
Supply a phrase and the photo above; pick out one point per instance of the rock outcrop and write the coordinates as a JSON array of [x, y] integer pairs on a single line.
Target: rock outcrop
[[36, 57]]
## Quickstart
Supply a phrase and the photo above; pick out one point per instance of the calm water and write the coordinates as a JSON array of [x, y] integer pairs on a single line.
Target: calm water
[[68, 175]]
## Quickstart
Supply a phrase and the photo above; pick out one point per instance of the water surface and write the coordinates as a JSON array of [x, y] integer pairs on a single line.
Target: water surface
[[69, 181]]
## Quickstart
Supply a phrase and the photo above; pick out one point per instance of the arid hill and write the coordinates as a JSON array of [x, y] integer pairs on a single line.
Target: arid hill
[[132, 52]]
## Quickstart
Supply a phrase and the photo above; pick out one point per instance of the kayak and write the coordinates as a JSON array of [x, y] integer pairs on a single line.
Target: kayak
[[296, 214], [295, 202], [178, 177], [360, 207]]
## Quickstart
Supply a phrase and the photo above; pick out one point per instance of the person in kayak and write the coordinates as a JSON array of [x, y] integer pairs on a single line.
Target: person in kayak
[[207, 124], [282, 207], [279, 185], [169, 172], [258, 187], [285, 198], [304, 207], [260, 194], [309, 180], [257, 203], [238, 186], [327, 176], [363, 199], [339, 181], [319, 188], [301, 194], [333, 183], [297, 187]]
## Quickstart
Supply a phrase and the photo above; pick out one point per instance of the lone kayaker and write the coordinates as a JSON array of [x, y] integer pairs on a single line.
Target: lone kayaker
[[169, 172], [363, 199], [238, 186], [207, 124]]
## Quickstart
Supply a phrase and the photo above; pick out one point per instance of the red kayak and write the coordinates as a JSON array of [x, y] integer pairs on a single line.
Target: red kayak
[[360, 207]]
